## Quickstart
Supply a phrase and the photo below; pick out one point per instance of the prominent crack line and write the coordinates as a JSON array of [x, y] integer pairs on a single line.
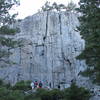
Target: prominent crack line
[[60, 23], [46, 26]]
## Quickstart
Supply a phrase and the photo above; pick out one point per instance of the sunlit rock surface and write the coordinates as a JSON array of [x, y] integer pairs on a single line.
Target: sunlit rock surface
[[50, 45]]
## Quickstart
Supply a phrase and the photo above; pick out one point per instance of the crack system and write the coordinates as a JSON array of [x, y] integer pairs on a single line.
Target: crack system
[[46, 26]]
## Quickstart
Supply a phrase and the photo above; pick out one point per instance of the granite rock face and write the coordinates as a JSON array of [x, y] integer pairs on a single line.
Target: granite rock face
[[50, 45]]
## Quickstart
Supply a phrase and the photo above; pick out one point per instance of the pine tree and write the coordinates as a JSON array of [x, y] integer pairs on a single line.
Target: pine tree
[[6, 32], [71, 6], [90, 30], [58, 7]]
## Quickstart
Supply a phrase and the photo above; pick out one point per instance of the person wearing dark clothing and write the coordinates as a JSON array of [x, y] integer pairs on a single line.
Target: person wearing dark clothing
[[58, 86], [50, 84], [40, 84], [35, 84]]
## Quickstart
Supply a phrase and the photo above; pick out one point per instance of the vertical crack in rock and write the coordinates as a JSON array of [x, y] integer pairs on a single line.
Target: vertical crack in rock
[[19, 74], [60, 22], [44, 52], [69, 23], [30, 68], [62, 52], [18, 77], [46, 26], [20, 59], [52, 64], [46, 58], [8, 54]]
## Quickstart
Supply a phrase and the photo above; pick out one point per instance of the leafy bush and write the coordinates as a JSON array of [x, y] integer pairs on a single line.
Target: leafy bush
[[8, 94], [49, 94], [76, 93], [1, 82], [45, 95], [40, 91], [3, 93], [42, 94], [22, 85], [16, 92], [56, 94], [29, 97], [15, 95]]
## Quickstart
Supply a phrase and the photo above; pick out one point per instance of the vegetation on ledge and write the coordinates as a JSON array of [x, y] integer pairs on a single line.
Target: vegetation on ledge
[[20, 91]]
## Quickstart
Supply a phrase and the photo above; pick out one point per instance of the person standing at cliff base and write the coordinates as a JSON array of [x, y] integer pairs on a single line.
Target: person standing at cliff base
[[36, 84], [40, 84], [32, 85]]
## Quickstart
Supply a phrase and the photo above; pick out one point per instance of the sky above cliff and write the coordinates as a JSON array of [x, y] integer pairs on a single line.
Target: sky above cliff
[[29, 7]]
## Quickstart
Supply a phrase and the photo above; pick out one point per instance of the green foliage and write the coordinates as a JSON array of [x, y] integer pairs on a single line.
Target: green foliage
[[5, 28], [6, 85], [4, 92], [72, 93], [58, 7], [22, 85], [30, 97], [45, 95], [90, 30], [87, 72], [71, 6], [9, 42], [1, 82], [40, 91], [76, 93], [16, 95], [16, 92], [5, 6], [7, 93], [54, 94]]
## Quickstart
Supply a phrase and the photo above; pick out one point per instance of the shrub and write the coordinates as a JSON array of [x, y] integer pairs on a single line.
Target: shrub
[[45, 95], [15, 95], [49, 95], [4, 93], [56, 94], [40, 92], [7, 94], [29, 97], [1, 82], [76, 93], [22, 85]]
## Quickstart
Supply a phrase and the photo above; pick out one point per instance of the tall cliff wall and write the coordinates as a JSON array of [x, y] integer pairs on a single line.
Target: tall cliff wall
[[50, 45]]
